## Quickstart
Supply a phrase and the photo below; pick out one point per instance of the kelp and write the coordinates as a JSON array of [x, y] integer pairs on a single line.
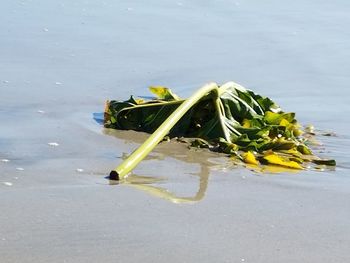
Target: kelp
[[230, 119]]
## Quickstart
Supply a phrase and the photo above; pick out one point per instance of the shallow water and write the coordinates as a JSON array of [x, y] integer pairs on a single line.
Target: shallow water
[[60, 61]]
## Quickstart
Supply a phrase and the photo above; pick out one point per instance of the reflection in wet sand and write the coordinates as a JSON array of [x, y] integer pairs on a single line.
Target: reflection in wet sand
[[161, 192], [207, 160], [176, 150]]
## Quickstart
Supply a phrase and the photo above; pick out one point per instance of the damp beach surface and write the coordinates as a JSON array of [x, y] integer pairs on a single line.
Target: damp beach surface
[[60, 62]]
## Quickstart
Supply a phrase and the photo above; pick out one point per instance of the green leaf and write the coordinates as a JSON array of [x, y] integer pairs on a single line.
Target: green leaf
[[200, 143], [324, 162], [276, 118], [229, 119], [163, 93]]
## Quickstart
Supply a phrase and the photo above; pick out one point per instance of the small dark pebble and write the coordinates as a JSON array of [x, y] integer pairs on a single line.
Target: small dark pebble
[[113, 175], [329, 134]]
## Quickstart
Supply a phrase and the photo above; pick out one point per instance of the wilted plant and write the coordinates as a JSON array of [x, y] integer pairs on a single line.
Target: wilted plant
[[229, 119]]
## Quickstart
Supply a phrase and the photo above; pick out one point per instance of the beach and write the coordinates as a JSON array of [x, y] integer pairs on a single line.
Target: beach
[[60, 62]]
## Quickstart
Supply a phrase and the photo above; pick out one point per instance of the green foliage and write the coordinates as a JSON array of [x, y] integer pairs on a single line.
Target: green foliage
[[228, 119]]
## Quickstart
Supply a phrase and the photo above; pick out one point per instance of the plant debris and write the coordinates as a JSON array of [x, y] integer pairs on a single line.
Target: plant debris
[[230, 119]]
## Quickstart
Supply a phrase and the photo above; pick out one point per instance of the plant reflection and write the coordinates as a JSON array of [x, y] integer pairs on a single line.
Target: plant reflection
[[150, 184], [158, 191], [207, 160]]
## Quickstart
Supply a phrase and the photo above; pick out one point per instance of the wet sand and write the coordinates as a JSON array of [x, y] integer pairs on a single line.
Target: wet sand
[[61, 61]]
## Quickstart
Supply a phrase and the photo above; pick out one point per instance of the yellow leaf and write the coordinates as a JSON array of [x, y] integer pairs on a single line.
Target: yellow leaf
[[246, 123], [273, 169], [163, 93], [297, 132], [139, 101], [249, 157], [284, 123], [275, 159]]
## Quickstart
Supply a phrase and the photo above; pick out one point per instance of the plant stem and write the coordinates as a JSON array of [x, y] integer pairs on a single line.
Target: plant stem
[[220, 115], [139, 154]]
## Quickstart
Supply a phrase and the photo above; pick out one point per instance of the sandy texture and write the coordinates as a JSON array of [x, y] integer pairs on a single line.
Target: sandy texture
[[59, 63]]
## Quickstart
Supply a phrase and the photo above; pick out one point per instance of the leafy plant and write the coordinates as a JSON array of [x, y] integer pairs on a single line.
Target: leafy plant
[[229, 119]]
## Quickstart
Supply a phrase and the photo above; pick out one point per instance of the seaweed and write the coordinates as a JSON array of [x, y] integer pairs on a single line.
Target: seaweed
[[230, 119]]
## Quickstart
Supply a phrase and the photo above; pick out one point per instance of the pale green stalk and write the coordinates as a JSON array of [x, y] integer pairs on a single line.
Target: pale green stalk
[[220, 114], [139, 154]]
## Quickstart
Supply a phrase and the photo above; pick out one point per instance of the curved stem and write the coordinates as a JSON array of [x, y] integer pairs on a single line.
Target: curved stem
[[139, 154], [220, 114], [234, 85]]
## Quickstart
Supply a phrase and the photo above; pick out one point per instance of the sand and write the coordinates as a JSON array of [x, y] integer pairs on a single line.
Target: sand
[[61, 61]]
